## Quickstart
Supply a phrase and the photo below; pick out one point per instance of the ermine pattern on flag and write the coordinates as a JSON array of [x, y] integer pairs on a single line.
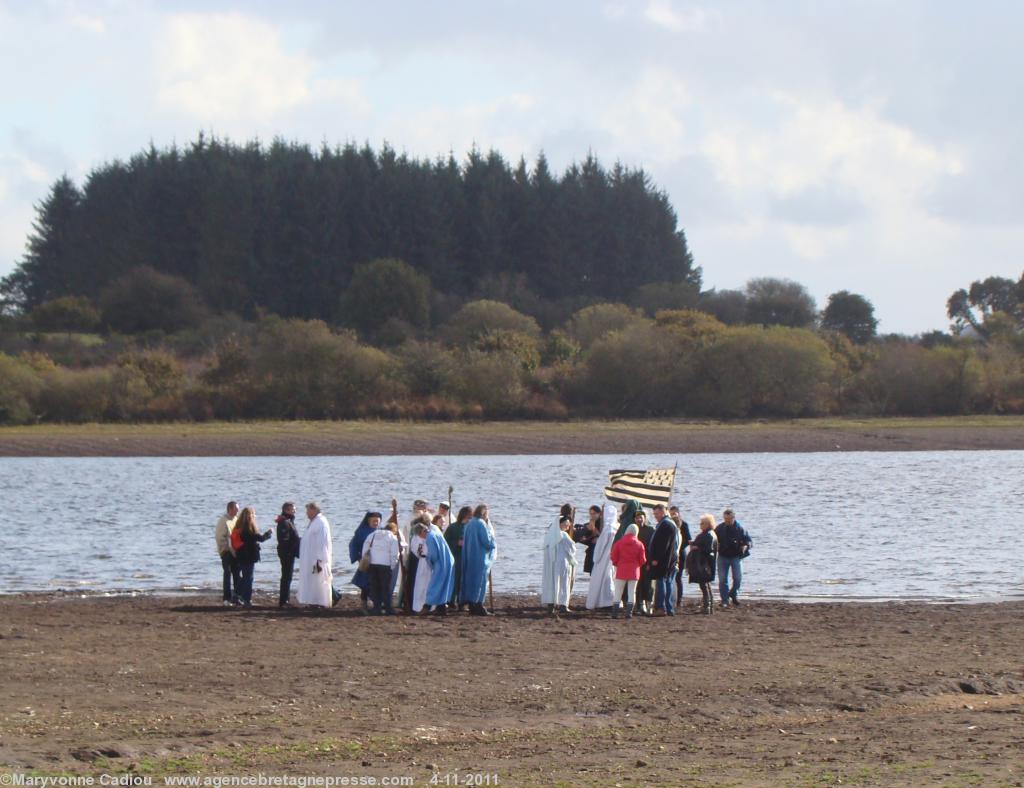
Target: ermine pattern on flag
[[648, 487]]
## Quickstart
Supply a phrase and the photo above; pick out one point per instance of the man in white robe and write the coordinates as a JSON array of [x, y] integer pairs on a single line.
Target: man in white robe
[[601, 592], [559, 562], [418, 548], [315, 556]]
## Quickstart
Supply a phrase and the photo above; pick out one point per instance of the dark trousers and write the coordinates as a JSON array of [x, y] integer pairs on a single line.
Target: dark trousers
[[231, 577], [706, 597], [244, 586], [287, 568], [679, 577], [380, 587]]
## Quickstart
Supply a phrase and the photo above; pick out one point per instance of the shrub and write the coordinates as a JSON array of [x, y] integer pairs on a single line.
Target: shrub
[[66, 314], [597, 321], [755, 371], [385, 288], [492, 382], [144, 300], [70, 395], [304, 370], [19, 387], [627, 373], [657, 296], [478, 318], [519, 346]]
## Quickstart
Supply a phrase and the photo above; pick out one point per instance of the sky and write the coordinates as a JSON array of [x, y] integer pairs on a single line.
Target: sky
[[875, 147]]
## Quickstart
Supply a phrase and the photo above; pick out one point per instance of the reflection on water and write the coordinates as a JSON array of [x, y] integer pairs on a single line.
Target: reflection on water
[[861, 525]]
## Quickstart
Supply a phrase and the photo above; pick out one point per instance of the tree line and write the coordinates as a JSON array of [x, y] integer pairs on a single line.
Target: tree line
[[770, 354], [282, 228], [236, 282]]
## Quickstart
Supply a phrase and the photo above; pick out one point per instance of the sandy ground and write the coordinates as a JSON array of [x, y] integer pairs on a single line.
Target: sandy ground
[[771, 693], [615, 437]]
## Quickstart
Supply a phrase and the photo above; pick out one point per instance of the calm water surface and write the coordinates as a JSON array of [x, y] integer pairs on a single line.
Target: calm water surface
[[930, 525]]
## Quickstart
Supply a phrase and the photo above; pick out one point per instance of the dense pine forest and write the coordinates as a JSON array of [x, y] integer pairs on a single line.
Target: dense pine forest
[[283, 228], [250, 281]]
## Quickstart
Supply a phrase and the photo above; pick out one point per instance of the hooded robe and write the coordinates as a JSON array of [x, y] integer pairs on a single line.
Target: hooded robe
[[559, 561], [477, 556], [627, 517], [315, 587], [442, 568], [601, 592], [355, 550]]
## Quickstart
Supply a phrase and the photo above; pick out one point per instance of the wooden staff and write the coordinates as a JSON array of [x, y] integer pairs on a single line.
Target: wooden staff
[[490, 572]]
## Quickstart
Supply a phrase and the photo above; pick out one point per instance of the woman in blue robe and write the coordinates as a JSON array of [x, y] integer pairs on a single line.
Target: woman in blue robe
[[442, 571], [355, 551], [477, 556]]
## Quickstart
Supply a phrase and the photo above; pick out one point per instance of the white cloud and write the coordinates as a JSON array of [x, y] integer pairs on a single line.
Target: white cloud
[[91, 24], [828, 148], [664, 14], [647, 117], [226, 68]]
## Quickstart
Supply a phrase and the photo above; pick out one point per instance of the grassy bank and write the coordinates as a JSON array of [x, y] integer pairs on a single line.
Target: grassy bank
[[628, 436]]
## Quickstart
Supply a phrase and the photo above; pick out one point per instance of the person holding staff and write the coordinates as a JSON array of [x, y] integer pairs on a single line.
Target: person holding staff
[[478, 550], [453, 535], [442, 571]]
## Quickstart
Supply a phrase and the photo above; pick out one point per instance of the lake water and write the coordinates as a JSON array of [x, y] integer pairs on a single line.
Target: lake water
[[913, 525]]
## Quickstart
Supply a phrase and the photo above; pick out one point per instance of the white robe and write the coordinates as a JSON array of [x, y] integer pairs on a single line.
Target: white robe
[[423, 573], [601, 592], [559, 562], [315, 587]]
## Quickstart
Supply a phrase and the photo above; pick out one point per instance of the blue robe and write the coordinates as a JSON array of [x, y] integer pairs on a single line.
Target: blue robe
[[477, 557], [442, 569], [355, 552]]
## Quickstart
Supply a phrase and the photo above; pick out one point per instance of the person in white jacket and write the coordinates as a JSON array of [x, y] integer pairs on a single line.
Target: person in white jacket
[[382, 548]]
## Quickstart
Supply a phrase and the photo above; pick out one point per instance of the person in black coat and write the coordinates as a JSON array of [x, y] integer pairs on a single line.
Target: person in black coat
[[645, 586], [684, 542], [287, 550], [662, 560], [248, 551], [700, 563]]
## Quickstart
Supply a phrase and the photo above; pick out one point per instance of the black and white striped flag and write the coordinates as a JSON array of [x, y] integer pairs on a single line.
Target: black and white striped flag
[[648, 487]]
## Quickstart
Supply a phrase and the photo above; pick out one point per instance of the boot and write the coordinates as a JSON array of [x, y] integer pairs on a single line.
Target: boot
[[615, 611], [551, 609], [629, 611]]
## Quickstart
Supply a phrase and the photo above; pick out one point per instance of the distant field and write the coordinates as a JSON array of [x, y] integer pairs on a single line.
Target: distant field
[[582, 437]]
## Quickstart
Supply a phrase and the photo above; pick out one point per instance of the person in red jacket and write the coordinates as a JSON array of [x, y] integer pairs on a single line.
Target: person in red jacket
[[628, 555]]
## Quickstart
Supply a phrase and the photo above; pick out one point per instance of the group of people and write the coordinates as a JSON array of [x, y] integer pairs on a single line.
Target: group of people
[[640, 565], [437, 563], [442, 562]]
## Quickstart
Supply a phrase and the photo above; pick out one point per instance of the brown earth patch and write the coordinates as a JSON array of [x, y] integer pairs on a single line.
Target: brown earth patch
[[771, 693]]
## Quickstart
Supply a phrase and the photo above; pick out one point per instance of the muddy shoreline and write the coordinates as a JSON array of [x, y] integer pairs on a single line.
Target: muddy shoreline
[[770, 693], [627, 437]]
